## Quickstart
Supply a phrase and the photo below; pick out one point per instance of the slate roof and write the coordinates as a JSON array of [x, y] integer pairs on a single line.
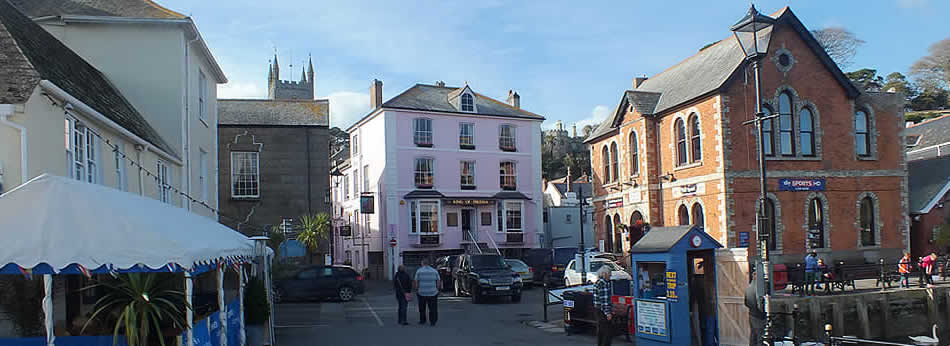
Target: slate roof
[[29, 54], [705, 72], [932, 132], [660, 239], [925, 180], [426, 97], [510, 195], [112, 8], [274, 112], [587, 190]]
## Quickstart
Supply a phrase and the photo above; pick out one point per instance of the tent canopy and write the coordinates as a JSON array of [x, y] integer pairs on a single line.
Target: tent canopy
[[63, 223]]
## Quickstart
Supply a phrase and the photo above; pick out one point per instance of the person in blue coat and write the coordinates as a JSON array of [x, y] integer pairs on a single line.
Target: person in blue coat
[[811, 272]]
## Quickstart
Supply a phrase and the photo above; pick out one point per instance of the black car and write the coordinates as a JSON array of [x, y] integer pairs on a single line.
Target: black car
[[317, 282], [446, 265], [480, 276], [548, 264]]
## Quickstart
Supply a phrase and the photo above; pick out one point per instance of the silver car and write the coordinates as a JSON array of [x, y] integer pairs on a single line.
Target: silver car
[[523, 270]]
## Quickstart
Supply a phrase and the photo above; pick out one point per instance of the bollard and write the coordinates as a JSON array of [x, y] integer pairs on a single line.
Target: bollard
[[794, 326], [828, 335], [883, 279], [544, 300]]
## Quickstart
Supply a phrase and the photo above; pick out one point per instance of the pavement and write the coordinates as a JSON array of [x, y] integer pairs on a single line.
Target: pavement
[[370, 319]]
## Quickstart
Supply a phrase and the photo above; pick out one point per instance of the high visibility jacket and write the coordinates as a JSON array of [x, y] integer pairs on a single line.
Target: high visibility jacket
[[904, 266]]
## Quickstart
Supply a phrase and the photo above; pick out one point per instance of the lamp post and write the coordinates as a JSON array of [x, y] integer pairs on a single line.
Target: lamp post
[[581, 247], [753, 33]]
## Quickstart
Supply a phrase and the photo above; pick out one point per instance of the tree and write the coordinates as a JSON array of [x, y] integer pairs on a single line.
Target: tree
[[866, 79], [897, 82], [839, 43], [930, 98], [274, 238], [933, 70], [314, 230], [587, 129]]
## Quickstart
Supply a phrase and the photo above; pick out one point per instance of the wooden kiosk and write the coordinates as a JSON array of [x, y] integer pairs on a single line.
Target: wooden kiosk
[[675, 287]]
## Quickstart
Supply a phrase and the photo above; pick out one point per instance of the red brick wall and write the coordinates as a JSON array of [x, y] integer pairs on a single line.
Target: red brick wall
[[923, 225]]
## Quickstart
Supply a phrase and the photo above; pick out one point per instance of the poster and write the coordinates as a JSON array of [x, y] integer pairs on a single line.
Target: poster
[[671, 287], [651, 318], [367, 205]]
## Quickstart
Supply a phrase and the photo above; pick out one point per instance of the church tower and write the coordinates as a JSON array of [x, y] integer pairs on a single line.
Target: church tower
[[278, 89]]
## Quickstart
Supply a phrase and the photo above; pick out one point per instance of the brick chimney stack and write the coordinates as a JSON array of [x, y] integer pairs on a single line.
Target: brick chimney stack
[[440, 84], [638, 81], [376, 94], [514, 99]]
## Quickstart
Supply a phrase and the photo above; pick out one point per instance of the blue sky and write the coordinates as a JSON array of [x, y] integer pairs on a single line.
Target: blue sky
[[569, 62]]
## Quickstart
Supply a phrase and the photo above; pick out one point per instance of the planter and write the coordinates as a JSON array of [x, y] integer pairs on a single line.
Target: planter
[[256, 335]]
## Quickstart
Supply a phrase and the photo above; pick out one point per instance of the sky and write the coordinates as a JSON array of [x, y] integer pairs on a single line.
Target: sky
[[568, 60]]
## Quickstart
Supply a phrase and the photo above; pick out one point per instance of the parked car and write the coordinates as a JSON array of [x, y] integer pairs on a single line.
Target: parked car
[[548, 264], [317, 282], [446, 265], [572, 275], [480, 276], [523, 270]]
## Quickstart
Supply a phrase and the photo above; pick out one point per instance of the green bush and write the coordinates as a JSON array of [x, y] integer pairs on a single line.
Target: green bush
[[256, 306]]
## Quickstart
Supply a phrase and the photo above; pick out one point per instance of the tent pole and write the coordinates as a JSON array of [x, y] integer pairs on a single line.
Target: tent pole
[[189, 314], [270, 296], [48, 308], [241, 335], [223, 313]]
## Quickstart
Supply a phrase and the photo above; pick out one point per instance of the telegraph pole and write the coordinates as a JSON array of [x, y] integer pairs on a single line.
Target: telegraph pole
[[581, 247]]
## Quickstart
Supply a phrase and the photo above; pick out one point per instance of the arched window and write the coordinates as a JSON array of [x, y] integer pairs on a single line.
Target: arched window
[[683, 214], [806, 132], [634, 154], [636, 227], [816, 224], [862, 137], [614, 162], [698, 219], [867, 222], [768, 130], [605, 156], [680, 142], [770, 223], [696, 148], [468, 103], [618, 236], [608, 233], [786, 132]]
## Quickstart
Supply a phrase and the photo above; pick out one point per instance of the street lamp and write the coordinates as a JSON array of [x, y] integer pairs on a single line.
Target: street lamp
[[753, 33]]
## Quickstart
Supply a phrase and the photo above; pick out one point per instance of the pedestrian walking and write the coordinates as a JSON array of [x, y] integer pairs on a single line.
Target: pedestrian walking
[[427, 285], [602, 292], [811, 272], [928, 265], [904, 268], [402, 285]]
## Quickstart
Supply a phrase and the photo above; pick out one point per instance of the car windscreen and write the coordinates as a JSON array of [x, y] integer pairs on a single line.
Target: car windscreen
[[516, 264], [488, 262], [595, 266], [564, 255]]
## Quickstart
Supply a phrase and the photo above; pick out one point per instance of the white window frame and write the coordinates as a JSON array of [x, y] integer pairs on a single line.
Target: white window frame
[[471, 134], [85, 158], [356, 183], [462, 102], [513, 176], [355, 144], [505, 206], [346, 187], [162, 181], [503, 139], [416, 172], [366, 178], [415, 210], [202, 97], [256, 174], [419, 135], [203, 174], [121, 177], [462, 173]]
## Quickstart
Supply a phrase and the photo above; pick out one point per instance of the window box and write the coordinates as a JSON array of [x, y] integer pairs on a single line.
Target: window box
[[424, 186], [466, 147], [468, 187], [507, 148], [509, 187], [514, 237], [429, 239], [424, 145]]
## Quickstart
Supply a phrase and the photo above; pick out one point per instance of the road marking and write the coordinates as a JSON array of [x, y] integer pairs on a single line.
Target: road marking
[[374, 312], [304, 326]]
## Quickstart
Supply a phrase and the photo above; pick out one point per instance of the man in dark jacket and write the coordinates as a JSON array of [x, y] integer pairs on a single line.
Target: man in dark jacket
[[756, 313], [402, 285]]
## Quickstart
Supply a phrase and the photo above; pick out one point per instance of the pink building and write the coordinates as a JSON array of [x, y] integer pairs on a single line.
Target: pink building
[[449, 170]]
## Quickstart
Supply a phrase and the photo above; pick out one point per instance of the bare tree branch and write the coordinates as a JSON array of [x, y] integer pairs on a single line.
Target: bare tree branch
[[933, 71], [839, 43]]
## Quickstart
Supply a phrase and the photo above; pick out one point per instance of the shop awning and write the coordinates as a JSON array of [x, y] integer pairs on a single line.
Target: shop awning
[[418, 194], [510, 195], [55, 224]]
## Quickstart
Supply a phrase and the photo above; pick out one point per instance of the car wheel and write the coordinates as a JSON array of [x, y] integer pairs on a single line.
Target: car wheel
[[516, 298], [345, 293], [476, 296], [457, 292]]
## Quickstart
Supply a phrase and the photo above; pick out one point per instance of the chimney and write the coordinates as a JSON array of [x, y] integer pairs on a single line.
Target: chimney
[[514, 99], [574, 130], [440, 84], [637, 81], [568, 180], [376, 94]]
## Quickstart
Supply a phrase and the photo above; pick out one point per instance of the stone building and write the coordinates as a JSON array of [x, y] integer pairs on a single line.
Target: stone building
[[676, 151], [566, 148], [274, 159]]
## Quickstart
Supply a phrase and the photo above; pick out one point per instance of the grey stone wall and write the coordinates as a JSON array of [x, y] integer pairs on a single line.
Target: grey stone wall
[[283, 175]]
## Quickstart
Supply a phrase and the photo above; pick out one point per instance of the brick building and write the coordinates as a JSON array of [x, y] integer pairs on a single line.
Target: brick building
[[675, 151], [273, 156]]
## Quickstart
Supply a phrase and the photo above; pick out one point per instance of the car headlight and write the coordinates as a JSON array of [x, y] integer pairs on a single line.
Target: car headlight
[[484, 281], [517, 278]]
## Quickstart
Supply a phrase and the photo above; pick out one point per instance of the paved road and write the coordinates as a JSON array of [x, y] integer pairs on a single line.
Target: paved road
[[370, 319]]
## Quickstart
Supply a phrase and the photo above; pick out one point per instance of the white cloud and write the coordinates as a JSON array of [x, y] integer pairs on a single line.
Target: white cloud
[[911, 3], [238, 90], [597, 115], [346, 107]]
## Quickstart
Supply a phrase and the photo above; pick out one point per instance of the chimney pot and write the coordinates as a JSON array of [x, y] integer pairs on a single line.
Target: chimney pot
[[440, 84], [514, 99], [376, 94], [638, 81]]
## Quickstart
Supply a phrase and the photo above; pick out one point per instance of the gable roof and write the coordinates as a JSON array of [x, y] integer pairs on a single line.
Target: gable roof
[[643, 101], [424, 97], [927, 181], [29, 54], [114, 8], [585, 188], [931, 132], [273, 112], [710, 69]]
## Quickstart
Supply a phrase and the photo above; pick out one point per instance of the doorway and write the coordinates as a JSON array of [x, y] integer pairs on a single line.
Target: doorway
[[467, 229], [702, 297]]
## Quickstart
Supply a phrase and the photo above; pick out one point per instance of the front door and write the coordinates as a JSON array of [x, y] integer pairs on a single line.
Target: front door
[[467, 230]]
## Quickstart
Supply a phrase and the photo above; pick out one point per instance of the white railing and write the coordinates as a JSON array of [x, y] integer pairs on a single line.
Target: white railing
[[493, 244], [474, 240]]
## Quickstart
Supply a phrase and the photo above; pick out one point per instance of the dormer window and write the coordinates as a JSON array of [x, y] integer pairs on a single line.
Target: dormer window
[[468, 103]]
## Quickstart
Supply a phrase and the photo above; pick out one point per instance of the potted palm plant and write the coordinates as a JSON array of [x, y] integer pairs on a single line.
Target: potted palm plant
[[256, 311], [142, 306]]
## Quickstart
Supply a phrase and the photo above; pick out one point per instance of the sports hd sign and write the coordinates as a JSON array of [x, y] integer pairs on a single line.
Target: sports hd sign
[[801, 184]]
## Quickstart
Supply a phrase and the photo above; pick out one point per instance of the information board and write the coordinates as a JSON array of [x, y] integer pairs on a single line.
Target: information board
[[671, 287], [652, 319]]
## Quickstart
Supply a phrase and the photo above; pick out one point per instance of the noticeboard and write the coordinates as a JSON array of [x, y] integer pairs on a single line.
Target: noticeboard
[[743, 239], [653, 319]]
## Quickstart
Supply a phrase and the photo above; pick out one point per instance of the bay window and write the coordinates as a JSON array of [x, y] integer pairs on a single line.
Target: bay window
[[424, 217]]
